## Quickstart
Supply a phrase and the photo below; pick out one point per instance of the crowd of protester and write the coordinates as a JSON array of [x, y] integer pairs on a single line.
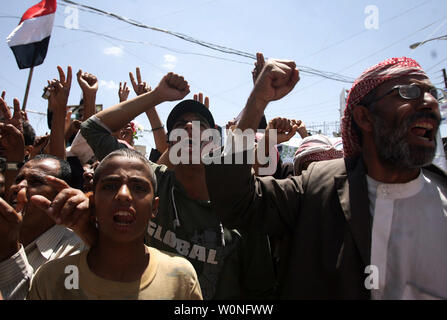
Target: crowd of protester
[[83, 215]]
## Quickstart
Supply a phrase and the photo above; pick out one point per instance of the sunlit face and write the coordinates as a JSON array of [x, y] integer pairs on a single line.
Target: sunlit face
[[31, 181], [124, 199], [185, 122], [405, 130]]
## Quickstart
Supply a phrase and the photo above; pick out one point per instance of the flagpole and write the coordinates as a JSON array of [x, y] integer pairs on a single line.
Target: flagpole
[[25, 99]]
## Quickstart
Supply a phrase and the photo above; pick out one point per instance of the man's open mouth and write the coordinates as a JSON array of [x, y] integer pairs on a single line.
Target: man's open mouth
[[123, 218], [424, 129]]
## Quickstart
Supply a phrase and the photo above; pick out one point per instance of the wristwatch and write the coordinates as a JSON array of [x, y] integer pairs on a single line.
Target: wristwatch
[[13, 165], [9, 165]]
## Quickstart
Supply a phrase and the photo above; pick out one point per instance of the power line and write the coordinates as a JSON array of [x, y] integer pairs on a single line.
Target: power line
[[365, 30], [374, 53], [108, 38], [392, 44], [212, 46], [172, 33], [304, 69], [152, 44], [160, 69]]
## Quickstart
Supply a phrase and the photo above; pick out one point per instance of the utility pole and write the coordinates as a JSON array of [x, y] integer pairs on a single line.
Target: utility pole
[[445, 78]]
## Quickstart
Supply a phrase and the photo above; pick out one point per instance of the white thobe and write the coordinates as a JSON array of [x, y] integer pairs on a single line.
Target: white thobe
[[409, 237]]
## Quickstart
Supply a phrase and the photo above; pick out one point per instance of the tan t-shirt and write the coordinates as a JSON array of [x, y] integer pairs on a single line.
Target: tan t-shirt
[[167, 277]]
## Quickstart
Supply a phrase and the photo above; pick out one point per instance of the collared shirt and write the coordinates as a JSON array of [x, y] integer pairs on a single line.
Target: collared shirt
[[409, 237], [16, 272]]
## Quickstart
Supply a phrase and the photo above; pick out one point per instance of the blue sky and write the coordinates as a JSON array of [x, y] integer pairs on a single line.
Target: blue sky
[[325, 35]]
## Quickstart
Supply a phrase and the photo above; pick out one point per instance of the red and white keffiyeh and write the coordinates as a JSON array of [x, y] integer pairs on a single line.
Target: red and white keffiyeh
[[370, 79], [315, 148]]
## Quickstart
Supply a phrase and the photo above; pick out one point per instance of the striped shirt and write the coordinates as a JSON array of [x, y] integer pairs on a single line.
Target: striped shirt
[[17, 272]]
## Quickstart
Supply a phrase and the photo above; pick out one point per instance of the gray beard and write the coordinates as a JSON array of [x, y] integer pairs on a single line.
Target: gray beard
[[394, 150]]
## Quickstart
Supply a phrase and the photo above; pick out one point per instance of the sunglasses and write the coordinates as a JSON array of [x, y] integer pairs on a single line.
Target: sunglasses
[[414, 91]]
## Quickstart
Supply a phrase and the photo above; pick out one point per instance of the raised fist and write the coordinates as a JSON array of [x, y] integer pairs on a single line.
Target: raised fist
[[284, 127], [277, 79], [172, 87], [88, 82]]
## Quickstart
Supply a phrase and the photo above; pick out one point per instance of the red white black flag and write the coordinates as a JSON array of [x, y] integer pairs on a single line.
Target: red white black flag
[[29, 41]]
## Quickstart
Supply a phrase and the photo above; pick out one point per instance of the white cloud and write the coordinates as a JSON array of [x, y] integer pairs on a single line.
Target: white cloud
[[170, 61], [170, 58], [108, 85], [113, 51]]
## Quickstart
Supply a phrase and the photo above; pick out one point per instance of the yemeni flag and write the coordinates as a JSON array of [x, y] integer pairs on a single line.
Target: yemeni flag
[[29, 41]]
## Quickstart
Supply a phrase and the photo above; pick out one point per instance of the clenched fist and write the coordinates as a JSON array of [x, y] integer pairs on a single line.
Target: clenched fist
[[277, 79], [172, 87]]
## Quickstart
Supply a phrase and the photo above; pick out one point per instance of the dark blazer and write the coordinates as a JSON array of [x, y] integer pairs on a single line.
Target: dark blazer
[[322, 216]]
